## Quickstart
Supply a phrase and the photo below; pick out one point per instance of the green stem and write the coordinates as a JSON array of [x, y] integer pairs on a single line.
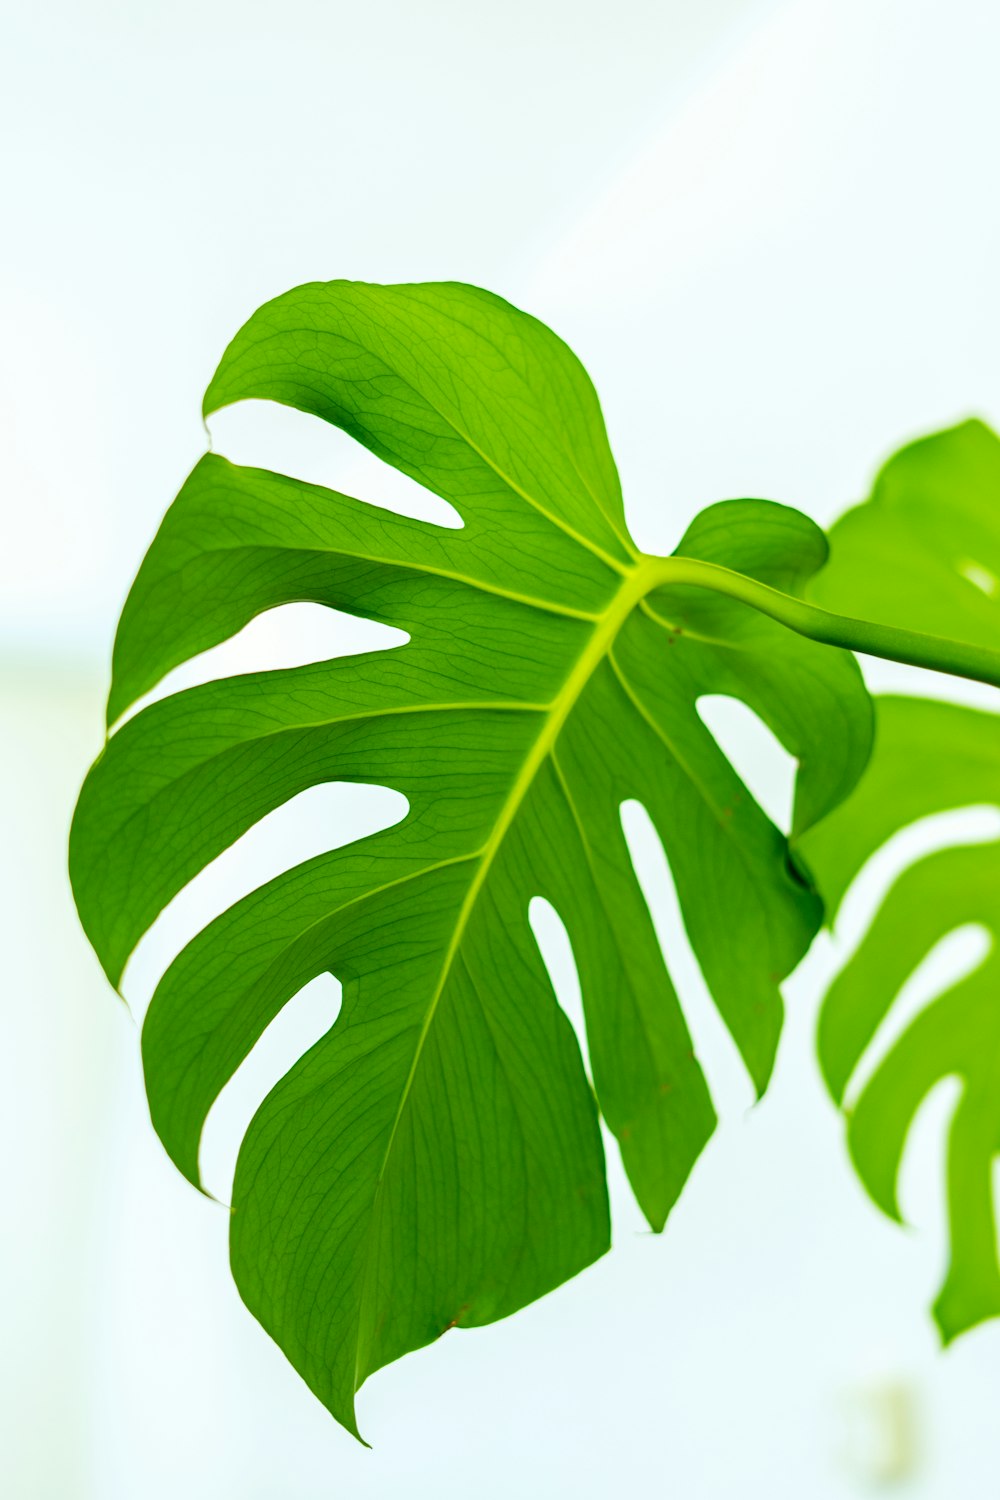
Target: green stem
[[934, 652]]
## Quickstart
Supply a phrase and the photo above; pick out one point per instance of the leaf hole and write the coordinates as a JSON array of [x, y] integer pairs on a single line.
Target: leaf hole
[[268, 435], [759, 758], [299, 1025], [290, 635], [732, 1089], [318, 819], [923, 1175], [981, 578], [554, 945], [953, 958], [930, 835]]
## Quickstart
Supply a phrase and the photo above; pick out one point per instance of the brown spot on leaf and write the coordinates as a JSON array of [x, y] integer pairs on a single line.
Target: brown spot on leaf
[[455, 1320]]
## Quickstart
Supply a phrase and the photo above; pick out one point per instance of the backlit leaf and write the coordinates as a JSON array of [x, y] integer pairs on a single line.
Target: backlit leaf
[[435, 1159], [924, 551]]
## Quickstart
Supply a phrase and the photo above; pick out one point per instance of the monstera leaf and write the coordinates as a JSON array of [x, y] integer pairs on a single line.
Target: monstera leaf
[[925, 548], [435, 1159]]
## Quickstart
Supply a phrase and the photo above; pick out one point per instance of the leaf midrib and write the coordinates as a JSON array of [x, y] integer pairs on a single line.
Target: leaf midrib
[[634, 586]]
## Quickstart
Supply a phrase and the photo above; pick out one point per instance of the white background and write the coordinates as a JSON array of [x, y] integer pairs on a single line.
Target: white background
[[771, 231]]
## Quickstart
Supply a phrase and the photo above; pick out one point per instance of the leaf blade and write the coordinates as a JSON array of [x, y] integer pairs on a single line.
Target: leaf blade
[[436, 1157], [902, 555]]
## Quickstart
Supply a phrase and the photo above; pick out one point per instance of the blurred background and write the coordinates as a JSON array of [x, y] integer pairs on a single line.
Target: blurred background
[[771, 231]]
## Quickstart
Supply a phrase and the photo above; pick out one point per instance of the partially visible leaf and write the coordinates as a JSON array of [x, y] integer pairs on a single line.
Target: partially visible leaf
[[435, 1159], [930, 757], [925, 551]]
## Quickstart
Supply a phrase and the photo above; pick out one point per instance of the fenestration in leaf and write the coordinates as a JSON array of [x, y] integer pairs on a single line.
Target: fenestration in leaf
[[929, 757], [923, 550], [435, 1159]]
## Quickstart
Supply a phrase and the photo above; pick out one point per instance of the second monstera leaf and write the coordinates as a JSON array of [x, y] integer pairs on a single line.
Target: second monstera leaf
[[925, 549], [436, 1159]]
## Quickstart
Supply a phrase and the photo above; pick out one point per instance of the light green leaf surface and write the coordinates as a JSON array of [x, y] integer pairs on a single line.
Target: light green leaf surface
[[924, 551], [435, 1159]]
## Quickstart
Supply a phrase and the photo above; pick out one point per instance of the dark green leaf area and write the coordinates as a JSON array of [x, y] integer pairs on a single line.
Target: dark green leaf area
[[435, 1159]]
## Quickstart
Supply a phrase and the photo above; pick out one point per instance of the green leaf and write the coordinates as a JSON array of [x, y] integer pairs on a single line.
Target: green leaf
[[925, 549], [435, 1159]]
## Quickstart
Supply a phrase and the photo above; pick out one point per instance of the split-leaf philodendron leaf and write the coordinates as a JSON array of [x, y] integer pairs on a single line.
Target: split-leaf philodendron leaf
[[923, 550], [435, 1159]]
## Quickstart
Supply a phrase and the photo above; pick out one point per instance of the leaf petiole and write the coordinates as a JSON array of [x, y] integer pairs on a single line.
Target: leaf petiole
[[912, 647]]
